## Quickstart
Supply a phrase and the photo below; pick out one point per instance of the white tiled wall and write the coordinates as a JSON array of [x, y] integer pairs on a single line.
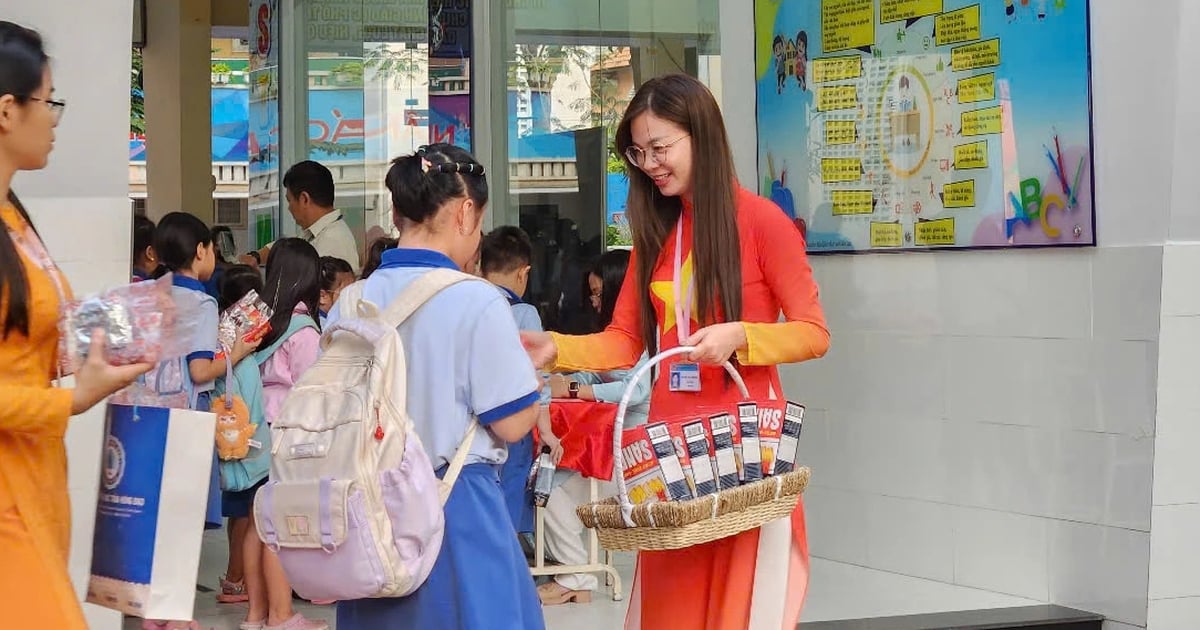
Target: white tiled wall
[[80, 203], [987, 420]]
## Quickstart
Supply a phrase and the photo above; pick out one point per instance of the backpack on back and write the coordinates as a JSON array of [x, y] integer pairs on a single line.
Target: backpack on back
[[353, 508], [250, 447]]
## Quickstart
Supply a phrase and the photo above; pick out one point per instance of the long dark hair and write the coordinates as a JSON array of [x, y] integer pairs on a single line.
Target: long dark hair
[[610, 268], [685, 101], [175, 241], [23, 63], [294, 278], [375, 254]]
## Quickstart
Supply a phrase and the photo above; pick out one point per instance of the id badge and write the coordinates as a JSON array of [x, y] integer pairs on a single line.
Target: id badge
[[685, 377]]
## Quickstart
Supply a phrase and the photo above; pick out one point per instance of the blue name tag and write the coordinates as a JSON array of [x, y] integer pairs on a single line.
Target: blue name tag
[[685, 377]]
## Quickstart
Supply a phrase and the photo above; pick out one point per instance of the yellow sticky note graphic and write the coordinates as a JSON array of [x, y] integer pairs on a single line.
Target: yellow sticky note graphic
[[847, 24], [841, 170], [841, 132], [896, 10], [828, 69], [936, 232], [835, 97], [886, 235], [977, 88], [846, 202], [981, 122], [972, 155], [958, 26], [985, 54], [959, 194]]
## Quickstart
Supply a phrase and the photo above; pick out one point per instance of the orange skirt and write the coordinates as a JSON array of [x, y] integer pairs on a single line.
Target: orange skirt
[[755, 580], [35, 588]]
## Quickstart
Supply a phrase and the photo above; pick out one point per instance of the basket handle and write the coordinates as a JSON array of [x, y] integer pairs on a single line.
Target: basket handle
[[618, 459]]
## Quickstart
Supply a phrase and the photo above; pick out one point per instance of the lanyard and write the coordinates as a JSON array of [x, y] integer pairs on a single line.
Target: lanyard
[[35, 251], [683, 309]]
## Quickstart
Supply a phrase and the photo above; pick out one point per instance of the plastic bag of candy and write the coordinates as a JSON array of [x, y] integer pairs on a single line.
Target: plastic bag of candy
[[249, 319], [141, 324]]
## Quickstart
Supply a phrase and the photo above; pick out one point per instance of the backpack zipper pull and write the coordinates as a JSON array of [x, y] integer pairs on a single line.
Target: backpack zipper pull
[[378, 424]]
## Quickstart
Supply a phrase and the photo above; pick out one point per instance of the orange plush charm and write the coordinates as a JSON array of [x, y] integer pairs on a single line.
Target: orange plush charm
[[234, 430]]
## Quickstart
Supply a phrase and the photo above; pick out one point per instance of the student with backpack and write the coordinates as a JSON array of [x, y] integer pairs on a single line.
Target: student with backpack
[[465, 365], [235, 283], [185, 248], [290, 347]]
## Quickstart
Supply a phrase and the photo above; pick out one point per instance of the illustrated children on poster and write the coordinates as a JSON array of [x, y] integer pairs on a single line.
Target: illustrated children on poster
[[780, 53], [802, 60]]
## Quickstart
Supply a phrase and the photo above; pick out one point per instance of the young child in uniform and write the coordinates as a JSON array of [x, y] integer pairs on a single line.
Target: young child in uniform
[[184, 246], [505, 259]]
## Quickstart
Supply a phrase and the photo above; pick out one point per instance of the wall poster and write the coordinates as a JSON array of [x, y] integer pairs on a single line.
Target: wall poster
[[917, 124]]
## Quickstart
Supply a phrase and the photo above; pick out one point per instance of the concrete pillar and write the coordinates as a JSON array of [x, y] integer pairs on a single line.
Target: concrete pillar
[[177, 82]]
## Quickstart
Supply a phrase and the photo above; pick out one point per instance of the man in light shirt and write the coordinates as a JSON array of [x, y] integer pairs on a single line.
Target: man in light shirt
[[310, 193]]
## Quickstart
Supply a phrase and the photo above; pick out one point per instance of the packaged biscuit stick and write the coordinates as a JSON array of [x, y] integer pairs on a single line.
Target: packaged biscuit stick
[[770, 428], [675, 426], [700, 453], [668, 461], [751, 450], [643, 476], [726, 450], [789, 442]]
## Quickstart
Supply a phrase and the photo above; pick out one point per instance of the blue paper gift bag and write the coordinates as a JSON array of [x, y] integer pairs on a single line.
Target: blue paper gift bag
[[155, 472]]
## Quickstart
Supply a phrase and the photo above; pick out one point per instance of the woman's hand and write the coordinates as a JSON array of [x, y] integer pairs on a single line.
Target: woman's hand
[[716, 343], [541, 348], [95, 380]]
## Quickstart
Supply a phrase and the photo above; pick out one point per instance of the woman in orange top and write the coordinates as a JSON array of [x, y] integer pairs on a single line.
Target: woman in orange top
[[35, 589], [715, 266]]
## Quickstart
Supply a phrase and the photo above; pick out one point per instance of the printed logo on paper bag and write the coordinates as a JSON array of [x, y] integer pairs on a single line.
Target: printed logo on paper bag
[[128, 510], [114, 463]]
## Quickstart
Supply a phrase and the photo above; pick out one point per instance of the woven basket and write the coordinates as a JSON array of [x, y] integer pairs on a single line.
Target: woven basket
[[622, 526]]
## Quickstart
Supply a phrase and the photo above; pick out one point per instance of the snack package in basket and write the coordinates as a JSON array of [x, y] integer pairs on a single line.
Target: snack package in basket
[[669, 461], [751, 450], [770, 429], [789, 441], [699, 448], [643, 476], [727, 450], [249, 318], [140, 321]]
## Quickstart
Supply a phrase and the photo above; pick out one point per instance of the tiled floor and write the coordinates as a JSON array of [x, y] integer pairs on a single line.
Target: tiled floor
[[837, 591], [602, 612]]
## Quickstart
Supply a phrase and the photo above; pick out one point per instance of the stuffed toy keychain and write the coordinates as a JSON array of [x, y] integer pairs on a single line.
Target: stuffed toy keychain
[[235, 432]]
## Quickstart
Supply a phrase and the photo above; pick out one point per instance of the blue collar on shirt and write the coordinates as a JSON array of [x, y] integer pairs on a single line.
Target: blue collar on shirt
[[513, 298], [404, 257], [185, 282]]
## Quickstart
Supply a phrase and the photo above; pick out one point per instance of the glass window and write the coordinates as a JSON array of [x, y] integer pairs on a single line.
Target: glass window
[[372, 80], [572, 67]]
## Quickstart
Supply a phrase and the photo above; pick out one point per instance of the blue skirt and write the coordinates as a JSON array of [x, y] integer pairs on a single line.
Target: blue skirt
[[514, 480], [480, 580]]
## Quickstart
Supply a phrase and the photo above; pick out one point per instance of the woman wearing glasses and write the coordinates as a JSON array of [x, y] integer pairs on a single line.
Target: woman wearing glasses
[[35, 589], [715, 265]]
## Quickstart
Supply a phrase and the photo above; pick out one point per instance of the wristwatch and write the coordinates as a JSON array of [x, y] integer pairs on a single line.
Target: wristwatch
[[573, 389]]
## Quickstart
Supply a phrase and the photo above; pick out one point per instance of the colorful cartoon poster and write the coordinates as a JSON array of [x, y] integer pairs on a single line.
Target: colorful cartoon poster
[[917, 124]]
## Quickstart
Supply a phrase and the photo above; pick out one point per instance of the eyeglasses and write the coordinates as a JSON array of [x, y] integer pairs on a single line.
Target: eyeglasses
[[637, 155], [56, 107]]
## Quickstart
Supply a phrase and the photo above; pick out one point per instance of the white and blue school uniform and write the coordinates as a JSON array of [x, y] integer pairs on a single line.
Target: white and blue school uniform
[[514, 475], [465, 360], [195, 305]]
